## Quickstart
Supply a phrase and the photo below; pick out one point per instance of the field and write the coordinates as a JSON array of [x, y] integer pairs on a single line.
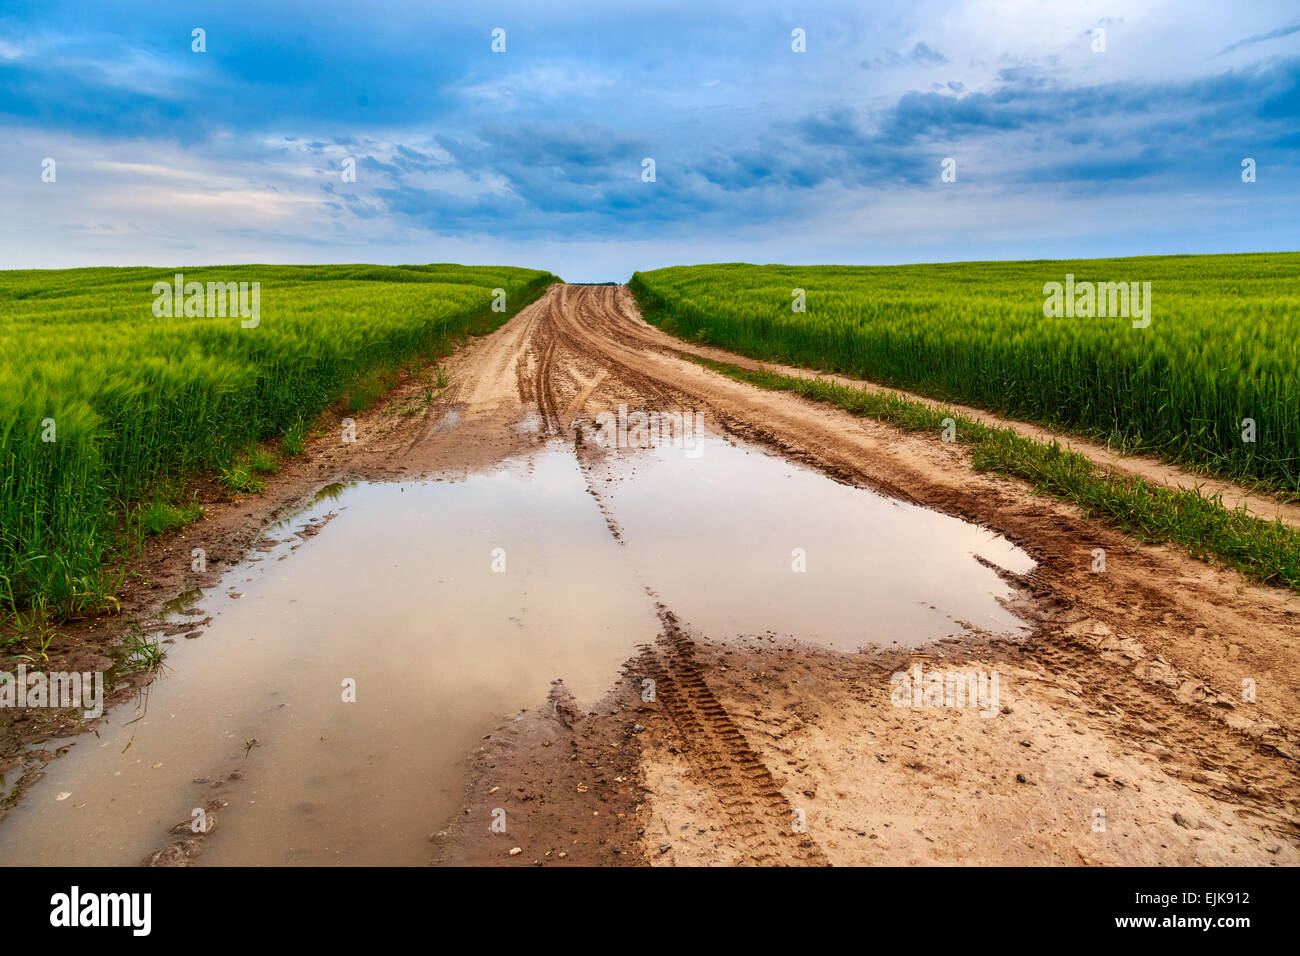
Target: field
[[102, 401], [1222, 344], [772, 580]]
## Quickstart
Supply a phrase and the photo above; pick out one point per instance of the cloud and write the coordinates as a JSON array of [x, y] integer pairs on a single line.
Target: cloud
[[1261, 38], [544, 144], [921, 53]]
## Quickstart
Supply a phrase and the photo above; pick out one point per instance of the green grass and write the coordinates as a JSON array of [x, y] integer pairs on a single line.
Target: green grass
[[133, 401], [1223, 345], [240, 479], [155, 517], [262, 462], [294, 440], [142, 654], [1266, 551]]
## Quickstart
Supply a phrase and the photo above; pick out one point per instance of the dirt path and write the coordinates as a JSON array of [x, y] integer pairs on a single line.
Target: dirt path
[[1122, 735], [1127, 701]]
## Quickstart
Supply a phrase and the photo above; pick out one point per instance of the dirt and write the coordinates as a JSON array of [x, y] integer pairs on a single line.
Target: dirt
[[1121, 733]]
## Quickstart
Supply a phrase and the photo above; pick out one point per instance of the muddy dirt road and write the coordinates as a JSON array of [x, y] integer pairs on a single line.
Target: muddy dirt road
[[1122, 734], [794, 570]]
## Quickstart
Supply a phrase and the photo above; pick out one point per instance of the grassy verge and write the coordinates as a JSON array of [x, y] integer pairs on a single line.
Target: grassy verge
[[1265, 551], [98, 431]]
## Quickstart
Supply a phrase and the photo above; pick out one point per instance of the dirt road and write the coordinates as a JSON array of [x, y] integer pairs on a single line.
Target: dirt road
[[1124, 731], [1123, 714]]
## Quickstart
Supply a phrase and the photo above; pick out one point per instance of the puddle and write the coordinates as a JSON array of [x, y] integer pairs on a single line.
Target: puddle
[[397, 592], [182, 605], [330, 492], [715, 532], [402, 588]]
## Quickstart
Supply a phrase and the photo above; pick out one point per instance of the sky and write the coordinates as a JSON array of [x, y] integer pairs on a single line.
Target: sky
[[1075, 129]]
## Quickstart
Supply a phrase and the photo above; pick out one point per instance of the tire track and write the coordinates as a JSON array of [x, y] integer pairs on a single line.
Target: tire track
[[1200, 748], [756, 813], [544, 386], [1195, 742], [599, 331], [757, 817]]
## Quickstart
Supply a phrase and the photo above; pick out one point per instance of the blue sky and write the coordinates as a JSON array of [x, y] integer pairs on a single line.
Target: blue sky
[[165, 156]]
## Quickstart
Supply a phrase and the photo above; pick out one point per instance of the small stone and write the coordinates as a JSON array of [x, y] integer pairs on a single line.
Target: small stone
[[516, 851], [637, 729], [1021, 778], [665, 847], [1181, 820]]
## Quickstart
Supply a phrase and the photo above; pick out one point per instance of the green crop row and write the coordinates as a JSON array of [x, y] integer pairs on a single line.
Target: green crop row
[[1209, 377], [101, 397]]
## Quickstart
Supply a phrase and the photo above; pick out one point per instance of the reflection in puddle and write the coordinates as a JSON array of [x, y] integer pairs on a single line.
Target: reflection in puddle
[[182, 605], [398, 593], [722, 536], [449, 604], [330, 492]]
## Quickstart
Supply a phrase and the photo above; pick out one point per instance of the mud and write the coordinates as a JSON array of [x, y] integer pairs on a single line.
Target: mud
[[1122, 733]]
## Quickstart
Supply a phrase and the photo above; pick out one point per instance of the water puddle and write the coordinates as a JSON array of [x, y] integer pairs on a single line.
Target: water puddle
[[451, 604], [720, 531], [396, 591]]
